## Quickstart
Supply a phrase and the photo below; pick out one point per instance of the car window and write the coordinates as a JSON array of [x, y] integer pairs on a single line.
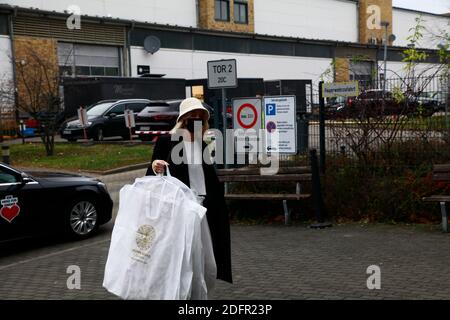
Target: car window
[[209, 108], [331, 100], [372, 95], [175, 106], [119, 109], [136, 107], [6, 176], [99, 109]]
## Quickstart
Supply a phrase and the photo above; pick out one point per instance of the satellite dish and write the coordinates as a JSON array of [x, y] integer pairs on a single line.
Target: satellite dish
[[152, 44]]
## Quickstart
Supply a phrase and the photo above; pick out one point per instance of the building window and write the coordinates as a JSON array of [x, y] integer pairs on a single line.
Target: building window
[[362, 71], [222, 9], [88, 60], [4, 29], [240, 11]]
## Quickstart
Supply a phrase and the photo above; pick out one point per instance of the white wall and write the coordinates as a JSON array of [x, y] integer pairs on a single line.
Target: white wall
[[5, 58], [318, 19], [173, 12], [6, 72], [403, 21], [192, 64], [424, 77], [399, 70]]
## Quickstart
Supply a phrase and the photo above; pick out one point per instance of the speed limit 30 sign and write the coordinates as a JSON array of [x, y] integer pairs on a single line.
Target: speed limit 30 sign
[[247, 116], [247, 113]]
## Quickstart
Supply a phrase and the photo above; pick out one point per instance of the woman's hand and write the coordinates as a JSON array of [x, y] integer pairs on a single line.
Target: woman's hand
[[158, 166]]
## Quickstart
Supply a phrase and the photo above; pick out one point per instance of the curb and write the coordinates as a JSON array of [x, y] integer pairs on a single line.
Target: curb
[[91, 143], [87, 172], [120, 170]]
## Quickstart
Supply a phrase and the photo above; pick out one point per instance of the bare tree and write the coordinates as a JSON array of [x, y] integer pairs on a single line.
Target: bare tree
[[38, 86], [373, 124]]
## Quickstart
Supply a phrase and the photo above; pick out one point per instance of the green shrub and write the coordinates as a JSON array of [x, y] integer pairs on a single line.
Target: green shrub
[[388, 186]]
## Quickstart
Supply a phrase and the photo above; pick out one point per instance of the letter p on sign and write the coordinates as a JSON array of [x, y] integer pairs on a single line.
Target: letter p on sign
[[271, 109]]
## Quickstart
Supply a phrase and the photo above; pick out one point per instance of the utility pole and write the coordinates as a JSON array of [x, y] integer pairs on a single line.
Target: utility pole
[[387, 39], [385, 24]]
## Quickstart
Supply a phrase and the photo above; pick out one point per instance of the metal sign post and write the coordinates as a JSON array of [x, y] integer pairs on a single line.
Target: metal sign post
[[83, 118], [129, 121], [22, 131], [331, 90], [224, 123], [322, 127], [222, 74]]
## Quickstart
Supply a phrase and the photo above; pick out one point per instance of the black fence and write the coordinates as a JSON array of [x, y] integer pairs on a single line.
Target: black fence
[[397, 122]]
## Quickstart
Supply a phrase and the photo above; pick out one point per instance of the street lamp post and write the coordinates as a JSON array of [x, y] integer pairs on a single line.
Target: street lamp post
[[447, 95], [413, 75], [385, 24], [387, 38]]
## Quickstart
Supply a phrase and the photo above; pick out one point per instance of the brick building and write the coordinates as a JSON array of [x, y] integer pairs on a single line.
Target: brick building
[[281, 39]]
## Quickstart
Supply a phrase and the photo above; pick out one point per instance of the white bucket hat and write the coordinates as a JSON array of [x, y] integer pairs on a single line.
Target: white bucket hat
[[191, 104]]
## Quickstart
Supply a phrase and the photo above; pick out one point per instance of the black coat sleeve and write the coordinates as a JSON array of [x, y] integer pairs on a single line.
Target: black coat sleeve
[[161, 151]]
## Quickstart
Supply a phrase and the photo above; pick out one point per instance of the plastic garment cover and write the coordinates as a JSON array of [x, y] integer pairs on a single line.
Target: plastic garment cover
[[161, 245]]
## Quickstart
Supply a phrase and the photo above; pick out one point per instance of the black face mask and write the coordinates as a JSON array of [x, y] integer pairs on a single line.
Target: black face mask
[[190, 124]]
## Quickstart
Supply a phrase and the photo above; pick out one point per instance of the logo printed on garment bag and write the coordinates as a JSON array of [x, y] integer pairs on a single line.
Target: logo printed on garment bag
[[145, 236], [9, 209]]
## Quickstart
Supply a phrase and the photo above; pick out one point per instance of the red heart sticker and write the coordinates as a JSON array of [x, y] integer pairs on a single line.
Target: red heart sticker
[[9, 213]]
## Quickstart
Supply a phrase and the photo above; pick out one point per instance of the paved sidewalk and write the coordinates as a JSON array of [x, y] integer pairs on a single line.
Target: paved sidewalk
[[269, 262]]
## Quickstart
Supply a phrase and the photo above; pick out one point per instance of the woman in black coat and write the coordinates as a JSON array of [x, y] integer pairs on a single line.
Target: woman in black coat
[[191, 111]]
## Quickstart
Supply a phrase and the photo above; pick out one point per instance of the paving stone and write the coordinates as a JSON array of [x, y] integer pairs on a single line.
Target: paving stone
[[269, 262]]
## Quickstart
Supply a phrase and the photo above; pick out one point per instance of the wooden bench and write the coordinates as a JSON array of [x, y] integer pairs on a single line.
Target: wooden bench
[[298, 175], [441, 172]]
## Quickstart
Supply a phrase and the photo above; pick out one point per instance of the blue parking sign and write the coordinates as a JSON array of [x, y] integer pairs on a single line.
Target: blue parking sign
[[271, 109]]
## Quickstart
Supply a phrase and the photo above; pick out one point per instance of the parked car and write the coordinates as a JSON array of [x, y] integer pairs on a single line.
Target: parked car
[[158, 117], [376, 102], [335, 106], [39, 203], [106, 119], [433, 101]]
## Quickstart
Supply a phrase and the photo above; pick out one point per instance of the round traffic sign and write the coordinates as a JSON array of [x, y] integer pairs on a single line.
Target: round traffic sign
[[247, 116]]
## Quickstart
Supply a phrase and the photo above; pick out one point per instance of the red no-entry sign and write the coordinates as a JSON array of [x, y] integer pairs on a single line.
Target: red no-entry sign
[[247, 113]]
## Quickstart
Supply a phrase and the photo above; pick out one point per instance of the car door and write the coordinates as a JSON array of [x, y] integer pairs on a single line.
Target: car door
[[115, 122], [20, 204]]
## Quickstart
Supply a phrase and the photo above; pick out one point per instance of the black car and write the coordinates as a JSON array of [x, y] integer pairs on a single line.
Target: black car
[[431, 101], [334, 107], [159, 117], [40, 203], [375, 103], [105, 119]]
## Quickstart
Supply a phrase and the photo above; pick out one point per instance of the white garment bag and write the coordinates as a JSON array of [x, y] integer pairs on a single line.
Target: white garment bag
[[161, 245]]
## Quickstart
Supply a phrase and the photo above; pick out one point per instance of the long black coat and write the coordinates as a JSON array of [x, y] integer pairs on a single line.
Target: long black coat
[[217, 214]]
